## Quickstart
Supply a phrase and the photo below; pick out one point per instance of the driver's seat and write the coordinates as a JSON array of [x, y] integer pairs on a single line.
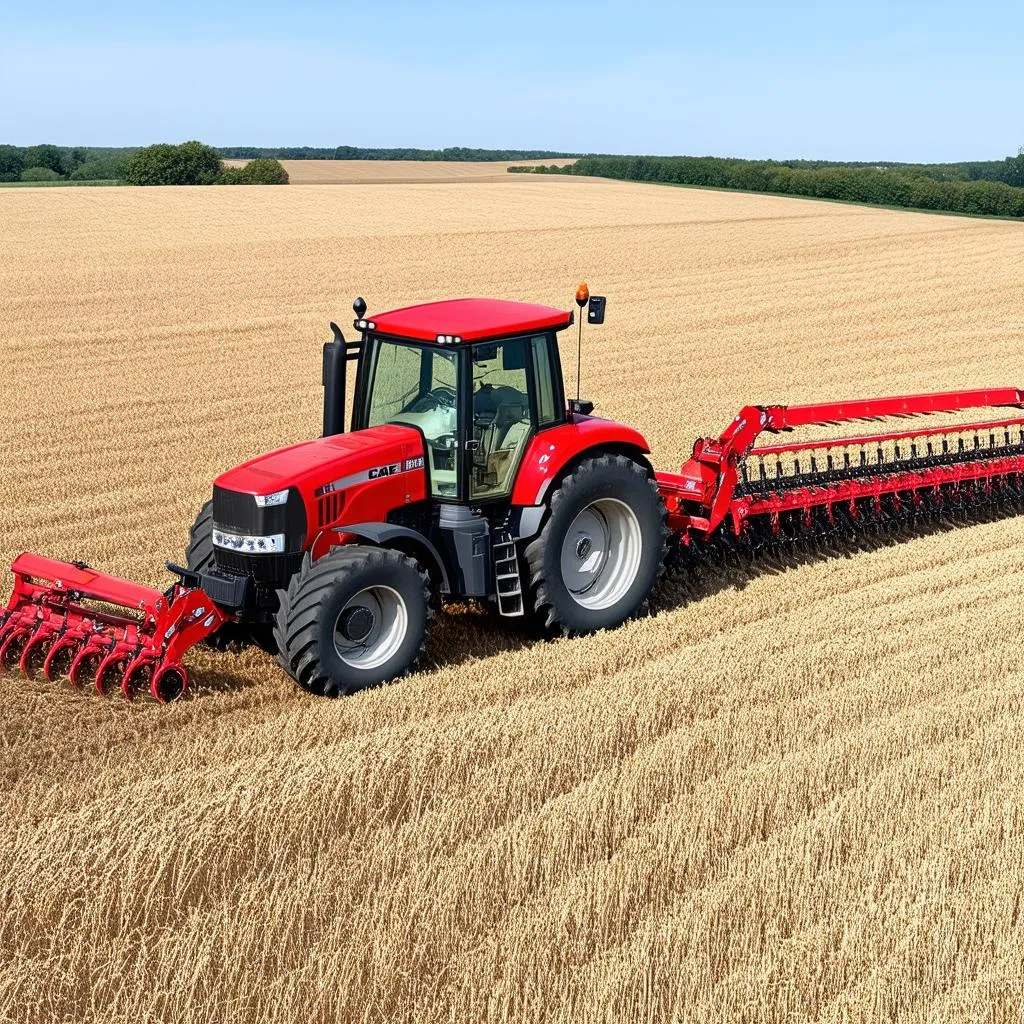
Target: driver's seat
[[500, 442]]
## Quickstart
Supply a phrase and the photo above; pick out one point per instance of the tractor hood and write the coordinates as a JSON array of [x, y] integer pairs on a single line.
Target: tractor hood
[[329, 462]]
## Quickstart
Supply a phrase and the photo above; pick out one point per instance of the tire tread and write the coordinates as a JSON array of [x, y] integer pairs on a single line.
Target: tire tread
[[298, 621]]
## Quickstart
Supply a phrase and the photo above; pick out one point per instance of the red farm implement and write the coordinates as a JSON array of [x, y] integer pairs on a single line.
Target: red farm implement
[[467, 473]]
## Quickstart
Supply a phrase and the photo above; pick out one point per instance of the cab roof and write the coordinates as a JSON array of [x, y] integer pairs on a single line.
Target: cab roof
[[467, 320]]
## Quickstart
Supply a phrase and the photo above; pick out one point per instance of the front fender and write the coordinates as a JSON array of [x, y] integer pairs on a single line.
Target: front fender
[[384, 535], [550, 451]]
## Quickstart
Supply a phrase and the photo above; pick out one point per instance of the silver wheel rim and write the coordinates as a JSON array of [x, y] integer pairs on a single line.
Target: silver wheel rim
[[390, 623], [601, 554]]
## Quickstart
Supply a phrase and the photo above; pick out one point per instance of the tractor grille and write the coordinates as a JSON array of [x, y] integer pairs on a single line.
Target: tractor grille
[[275, 569], [329, 507], [239, 513]]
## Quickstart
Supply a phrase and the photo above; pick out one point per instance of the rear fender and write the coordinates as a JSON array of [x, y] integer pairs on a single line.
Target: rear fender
[[386, 535], [554, 450]]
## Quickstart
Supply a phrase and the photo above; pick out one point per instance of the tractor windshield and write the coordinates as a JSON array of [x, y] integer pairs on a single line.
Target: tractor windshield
[[416, 385]]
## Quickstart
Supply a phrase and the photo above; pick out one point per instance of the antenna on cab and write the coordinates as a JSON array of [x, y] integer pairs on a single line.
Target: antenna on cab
[[595, 315], [582, 298]]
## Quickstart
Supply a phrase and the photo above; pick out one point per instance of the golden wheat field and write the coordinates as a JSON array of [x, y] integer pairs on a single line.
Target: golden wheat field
[[372, 172], [786, 796]]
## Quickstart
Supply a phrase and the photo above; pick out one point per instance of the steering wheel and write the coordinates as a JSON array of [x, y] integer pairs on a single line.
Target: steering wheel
[[443, 396], [443, 442]]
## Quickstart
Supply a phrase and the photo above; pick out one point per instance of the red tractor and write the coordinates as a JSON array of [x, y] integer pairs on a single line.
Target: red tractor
[[462, 455], [466, 473]]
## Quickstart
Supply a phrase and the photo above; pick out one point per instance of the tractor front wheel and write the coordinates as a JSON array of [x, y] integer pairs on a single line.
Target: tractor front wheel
[[354, 618], [602, 549]]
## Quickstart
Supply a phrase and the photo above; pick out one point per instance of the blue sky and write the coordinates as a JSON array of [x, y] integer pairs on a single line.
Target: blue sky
[[859, 81]]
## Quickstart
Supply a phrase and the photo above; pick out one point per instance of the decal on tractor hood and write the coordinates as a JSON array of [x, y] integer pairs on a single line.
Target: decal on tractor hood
[[374, 473]]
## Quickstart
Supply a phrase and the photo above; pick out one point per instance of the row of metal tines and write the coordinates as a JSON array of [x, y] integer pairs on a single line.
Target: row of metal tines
[[770, 470]]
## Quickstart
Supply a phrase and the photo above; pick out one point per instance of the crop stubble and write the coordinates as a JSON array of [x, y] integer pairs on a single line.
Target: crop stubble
[[795, 798]]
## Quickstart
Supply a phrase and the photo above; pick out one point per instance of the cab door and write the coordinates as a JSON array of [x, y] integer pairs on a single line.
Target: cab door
[[513, 394]]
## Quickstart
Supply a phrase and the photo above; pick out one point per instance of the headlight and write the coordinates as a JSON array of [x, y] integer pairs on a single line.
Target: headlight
[[269, 500], [271, 545]]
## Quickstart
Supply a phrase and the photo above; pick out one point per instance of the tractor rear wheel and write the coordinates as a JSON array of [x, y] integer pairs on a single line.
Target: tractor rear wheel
[[354, 618], [602, 549]]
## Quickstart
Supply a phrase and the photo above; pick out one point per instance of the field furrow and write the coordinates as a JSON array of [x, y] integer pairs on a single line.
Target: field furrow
[[790, 794]]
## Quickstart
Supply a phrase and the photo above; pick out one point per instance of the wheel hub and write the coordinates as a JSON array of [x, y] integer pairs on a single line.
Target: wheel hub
[[371, 627], [601, 552], [356, 623]]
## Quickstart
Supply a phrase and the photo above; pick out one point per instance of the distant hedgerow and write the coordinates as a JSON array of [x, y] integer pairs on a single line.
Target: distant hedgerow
[[263, 171], [882, 186], [40, 174]]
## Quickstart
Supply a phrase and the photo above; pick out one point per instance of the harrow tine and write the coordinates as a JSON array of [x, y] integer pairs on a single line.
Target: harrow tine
[[137, 677], [110, 671], [62, 654], [15, 620], [87, 661], [14, 643], [36, 649]]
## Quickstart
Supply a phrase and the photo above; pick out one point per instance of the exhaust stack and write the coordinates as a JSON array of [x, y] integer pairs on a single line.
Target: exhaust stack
[[336, 354], [335, 357]]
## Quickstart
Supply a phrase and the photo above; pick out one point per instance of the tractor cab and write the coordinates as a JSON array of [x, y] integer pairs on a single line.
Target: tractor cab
[[476, 377]]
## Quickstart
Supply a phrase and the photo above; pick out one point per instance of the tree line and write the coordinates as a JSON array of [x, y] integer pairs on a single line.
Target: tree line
[[919, 186], [452, 153], [62, 163], [191, 163], [1010, 171]]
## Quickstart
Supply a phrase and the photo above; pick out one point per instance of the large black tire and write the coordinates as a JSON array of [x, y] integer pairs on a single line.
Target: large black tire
[[199, 557], [199, 553], [602, 549], [352, 619]]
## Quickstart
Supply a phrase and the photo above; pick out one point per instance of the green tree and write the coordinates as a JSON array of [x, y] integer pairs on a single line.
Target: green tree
[[71, 160], [111, 169], [191, 163], [1014, 173], [45, 156], [12, 163], [264, 171], [154, 165], [40, 174], [198, 164]]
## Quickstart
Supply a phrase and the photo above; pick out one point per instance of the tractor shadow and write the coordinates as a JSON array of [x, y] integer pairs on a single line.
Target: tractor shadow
[[463, 631], [684, 583], [212, 681], [471, 631]]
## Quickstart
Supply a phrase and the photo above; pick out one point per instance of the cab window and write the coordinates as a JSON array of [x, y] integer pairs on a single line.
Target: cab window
[[543, 374], [502, 417], [415, 385]]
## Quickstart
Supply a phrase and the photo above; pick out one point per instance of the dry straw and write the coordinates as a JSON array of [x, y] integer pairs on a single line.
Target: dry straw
[[797, 798]]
